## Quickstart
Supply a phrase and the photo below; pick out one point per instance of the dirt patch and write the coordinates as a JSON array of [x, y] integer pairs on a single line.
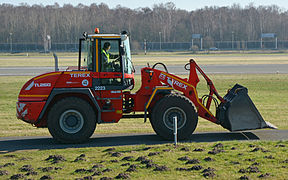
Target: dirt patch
[[79, 159], [46, 177], [114, 161], [255, 164], [269, 157], [97, 173], [219, 146], [26, 168], [116, 154], [17, 176], [209, 169], [132, 168], [106, 178], [128, 158], [122, 176], [146, 161], [109, 149], [8, 164], [195, 168], [209, 172], [24, 159], [253, 169], [216, 151], [55, 158], [198, 150], [141, 158], [82, 155], [146, 148], [9, 156], [82, 170], [32, 173], [259, 149], [46, 169], [166, 150], [161, 168], [208, 159], [242, 170], [151, 165], [153, 153], [97, 166], [251, 160], [3, 173], [181, 169], [107, 170], [266, 175], [251, 145], [280, 145], [185, 149], [235, 162], [244, 177], [125, 164], [193, 161], [184, 158], [250, 169], [88, 178]]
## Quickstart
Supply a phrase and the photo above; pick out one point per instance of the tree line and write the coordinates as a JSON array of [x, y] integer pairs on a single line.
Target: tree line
[[27, 24]]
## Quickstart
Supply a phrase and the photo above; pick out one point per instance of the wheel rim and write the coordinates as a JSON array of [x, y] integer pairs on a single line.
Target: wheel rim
[[170, 114], [71, 121]]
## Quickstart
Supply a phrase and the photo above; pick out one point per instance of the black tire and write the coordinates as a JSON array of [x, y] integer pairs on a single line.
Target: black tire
[[168, 107], [71, 120]]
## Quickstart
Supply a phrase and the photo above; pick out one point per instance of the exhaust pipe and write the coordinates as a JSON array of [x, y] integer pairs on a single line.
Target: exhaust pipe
[[56, 61], [239, 112]]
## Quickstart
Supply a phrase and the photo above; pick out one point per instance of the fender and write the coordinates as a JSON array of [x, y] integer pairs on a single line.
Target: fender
[[157, 89], [57, 91]]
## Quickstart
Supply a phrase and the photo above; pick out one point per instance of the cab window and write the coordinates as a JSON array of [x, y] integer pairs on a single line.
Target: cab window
[[87, 54], [110, 56]]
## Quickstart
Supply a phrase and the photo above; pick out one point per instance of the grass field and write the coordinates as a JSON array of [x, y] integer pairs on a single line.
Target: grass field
[[167, 58], [253, 159], [268, 91], [226, 160]]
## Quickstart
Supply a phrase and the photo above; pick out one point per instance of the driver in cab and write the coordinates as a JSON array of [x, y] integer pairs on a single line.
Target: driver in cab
[[109, 65]]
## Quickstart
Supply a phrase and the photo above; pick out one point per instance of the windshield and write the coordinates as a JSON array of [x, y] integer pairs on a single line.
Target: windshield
[[86, 54], [128, 66]]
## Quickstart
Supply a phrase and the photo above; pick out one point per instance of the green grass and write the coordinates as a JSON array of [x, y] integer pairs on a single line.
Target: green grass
[[268, 92], [70, 59], [224, 162]]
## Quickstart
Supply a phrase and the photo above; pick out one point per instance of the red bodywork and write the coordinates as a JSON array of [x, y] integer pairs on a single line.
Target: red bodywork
[[35, 93]]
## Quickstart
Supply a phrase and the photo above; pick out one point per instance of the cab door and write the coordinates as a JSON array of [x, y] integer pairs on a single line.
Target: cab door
[[107, 80]]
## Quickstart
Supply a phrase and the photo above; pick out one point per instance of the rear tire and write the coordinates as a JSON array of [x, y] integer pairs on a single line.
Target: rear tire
[[168, 107], [71, 120]]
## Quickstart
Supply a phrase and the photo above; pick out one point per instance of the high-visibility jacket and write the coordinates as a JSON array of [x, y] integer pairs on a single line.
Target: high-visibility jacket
[[107, 55]]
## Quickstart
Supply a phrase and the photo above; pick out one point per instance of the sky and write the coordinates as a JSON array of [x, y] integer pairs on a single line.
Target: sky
[[133, 4]]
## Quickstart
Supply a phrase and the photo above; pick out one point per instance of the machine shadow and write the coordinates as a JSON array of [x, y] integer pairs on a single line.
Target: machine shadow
[[43, 143]]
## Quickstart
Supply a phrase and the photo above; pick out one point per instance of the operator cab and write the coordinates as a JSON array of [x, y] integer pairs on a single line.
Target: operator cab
[[108, 57]]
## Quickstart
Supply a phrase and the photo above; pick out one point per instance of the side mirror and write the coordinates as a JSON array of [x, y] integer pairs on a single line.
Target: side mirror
[[122, 51]]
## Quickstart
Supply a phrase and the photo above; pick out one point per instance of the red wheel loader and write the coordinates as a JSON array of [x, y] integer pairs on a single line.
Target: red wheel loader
[[71, 103]]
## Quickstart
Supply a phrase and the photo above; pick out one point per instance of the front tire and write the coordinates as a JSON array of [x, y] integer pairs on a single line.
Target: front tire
[[71, 120], [169, 107]]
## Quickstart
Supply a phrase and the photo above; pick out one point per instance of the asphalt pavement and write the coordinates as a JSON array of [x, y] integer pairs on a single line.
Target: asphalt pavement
[[11, 144], [176, 69]]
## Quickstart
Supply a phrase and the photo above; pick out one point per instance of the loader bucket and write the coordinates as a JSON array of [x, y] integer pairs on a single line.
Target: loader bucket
[[239, 112]]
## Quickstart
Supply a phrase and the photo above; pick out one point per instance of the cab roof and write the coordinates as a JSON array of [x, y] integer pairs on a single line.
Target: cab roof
[[106, 35]]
